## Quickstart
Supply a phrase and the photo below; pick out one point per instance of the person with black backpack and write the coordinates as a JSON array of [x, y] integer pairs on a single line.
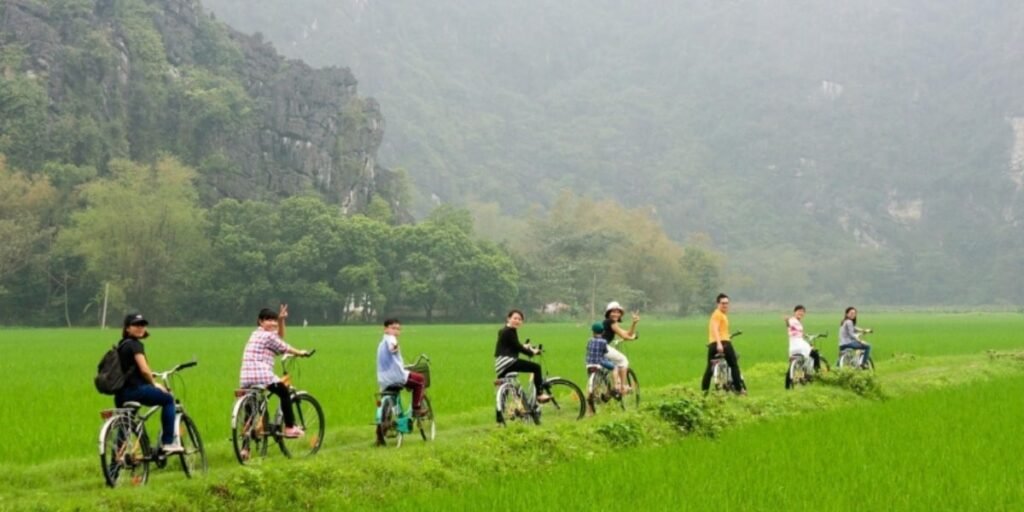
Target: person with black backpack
[[139, 384]]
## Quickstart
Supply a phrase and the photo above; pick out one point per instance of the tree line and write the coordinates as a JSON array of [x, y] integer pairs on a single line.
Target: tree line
[[137, 237]]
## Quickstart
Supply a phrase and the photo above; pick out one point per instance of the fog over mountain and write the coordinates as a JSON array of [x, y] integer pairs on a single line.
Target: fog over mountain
[[854, 151]]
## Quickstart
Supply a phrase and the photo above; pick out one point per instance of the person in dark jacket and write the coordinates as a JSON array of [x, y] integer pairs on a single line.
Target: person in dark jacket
[[507, 350], [140, 386]]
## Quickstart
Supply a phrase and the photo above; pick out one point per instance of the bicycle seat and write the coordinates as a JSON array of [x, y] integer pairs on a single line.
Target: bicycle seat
[[718, 357], [592, 368], [131, 405], [393, 389], [510, 375]]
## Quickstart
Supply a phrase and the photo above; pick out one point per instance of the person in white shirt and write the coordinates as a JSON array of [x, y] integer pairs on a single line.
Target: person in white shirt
[[798, 344], [391, 368]]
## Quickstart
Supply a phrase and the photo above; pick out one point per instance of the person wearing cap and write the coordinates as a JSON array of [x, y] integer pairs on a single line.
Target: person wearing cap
[[139, 385], [597, 349], [612, 327], [718, 343], [265, 343]]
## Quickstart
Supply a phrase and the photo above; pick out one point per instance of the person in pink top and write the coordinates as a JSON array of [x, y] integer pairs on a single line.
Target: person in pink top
[[266, 343]]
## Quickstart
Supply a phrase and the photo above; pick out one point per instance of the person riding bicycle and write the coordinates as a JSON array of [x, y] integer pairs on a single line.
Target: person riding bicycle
[[719, 344], [612, 316], [849, 335], [391, 367], [264, 344], [798, 344], [139, 384], [507, 350]]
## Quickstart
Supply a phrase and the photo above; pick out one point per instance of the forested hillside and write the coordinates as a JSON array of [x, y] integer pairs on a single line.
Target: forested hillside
[[834, 151], [152, 158]]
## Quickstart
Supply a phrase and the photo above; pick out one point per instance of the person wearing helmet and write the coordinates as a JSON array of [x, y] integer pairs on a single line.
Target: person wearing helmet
[[612, 327]]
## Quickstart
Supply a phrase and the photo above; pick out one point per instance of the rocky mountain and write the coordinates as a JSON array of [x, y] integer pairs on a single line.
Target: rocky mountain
[[861, 151], [88, 81]]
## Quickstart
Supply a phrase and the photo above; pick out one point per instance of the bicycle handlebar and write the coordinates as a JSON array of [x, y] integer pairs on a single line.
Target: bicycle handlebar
[[166, 374], [292, 356], [733, 335]]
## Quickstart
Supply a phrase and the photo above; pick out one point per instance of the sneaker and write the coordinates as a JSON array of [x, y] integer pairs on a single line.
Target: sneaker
[[172, 448], [293, 432]]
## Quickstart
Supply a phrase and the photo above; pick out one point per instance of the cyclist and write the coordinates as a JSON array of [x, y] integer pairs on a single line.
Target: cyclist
[[718, 343], [507, 350], [798, 344], [597, 348], [612, 316], [264, 344], [140, 386], [849, 335], [391, 368]]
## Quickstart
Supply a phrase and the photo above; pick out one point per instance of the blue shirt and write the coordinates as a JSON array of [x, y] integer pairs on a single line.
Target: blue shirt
[[390, 367]]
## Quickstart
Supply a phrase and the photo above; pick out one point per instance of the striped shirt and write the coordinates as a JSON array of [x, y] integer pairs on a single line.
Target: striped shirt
[[258, 358]]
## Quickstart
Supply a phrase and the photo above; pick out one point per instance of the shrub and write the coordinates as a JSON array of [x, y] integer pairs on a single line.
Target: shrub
[[861, 382], [626, 433]]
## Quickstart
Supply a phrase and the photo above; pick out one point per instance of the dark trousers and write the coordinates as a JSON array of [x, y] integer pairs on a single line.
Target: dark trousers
[[734, 366], [817, 359], [415, 384], [148, 394], [523, 366], [282, 392]]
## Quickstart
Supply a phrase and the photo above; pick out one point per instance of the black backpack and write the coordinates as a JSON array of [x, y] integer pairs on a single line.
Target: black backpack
[[110, 378]]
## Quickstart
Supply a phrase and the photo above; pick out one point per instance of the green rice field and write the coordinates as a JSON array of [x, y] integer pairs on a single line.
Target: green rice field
[[944, 428]]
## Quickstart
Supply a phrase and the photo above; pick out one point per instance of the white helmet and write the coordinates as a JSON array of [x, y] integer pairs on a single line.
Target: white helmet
[[613, 305]]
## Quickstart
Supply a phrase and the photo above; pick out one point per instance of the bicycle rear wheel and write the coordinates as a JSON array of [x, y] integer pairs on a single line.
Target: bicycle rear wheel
[[632, 397], [193, 459], [425, 423], [308, 415], [124, 454], [512, 406], [567, 400], [387, 426], [249, 429], [598, 390]]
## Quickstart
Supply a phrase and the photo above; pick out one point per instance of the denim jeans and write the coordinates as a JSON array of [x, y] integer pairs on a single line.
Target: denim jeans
[[858, 346], [149, 394]]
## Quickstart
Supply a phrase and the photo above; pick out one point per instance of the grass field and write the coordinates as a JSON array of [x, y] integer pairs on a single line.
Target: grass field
[[50, 411]]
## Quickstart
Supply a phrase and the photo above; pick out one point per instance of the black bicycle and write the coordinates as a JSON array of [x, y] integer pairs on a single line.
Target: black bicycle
[[601, 388], [252, 428], [516, 403], [125, 452]]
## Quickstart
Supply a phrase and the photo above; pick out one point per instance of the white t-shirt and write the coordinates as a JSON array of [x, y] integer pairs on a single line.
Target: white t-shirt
[[797, 343], [390, 367]]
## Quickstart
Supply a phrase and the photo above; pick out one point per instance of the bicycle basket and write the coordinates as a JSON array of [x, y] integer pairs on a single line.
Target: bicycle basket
[[423, 368]]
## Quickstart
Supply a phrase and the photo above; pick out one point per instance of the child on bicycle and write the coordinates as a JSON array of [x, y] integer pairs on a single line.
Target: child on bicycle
[[264, 344], [391, 367], [139, 385], [597, 350]]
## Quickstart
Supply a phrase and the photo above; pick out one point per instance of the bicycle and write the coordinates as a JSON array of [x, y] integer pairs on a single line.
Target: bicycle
[[601, 387], [514, 403], [124, 443], [721, 374], [393, 421], [854, 357], [251, 427], [801, 369]]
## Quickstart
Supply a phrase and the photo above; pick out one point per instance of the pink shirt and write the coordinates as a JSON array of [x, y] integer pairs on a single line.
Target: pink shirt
[[258, 358]]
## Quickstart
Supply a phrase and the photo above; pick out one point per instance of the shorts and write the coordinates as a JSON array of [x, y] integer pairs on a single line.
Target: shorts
[[617, 358]]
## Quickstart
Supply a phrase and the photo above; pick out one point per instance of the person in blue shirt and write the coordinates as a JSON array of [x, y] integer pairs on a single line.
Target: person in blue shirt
[[391, 368]]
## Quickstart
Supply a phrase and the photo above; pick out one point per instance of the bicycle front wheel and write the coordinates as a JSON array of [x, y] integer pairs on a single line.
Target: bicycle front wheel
[[193, 459], [310, 417], [425, 423], [632, 397], [124, 454], [249, 429], [567, 400]]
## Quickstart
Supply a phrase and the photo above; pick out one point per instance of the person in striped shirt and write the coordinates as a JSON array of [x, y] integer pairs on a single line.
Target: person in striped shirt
[[507, 350]]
